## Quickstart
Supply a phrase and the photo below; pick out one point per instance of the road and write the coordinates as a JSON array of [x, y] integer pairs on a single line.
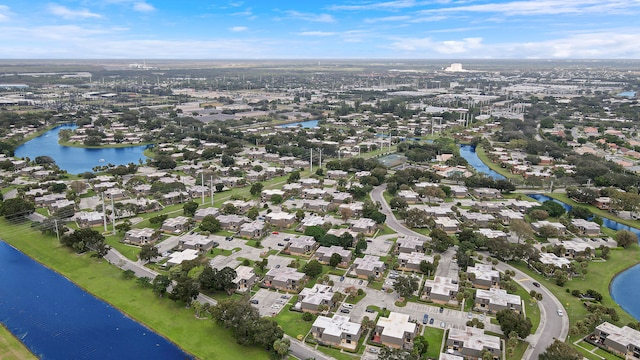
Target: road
[[552, 326], [301, 351]]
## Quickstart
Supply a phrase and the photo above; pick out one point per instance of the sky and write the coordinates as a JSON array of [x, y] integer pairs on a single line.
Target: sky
[[319, 29]]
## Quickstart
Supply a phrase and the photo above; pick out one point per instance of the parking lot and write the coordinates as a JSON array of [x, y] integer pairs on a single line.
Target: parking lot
[[274, 260], [269, 303], [347, 282], [379, 246]]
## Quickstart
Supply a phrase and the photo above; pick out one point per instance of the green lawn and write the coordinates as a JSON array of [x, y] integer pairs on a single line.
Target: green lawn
[[482, 155], [598, 278], [434, 337], [531, 308], [129, 251], [336, 353], [520, 349], [11, 348], [292, 323], [169, 319]]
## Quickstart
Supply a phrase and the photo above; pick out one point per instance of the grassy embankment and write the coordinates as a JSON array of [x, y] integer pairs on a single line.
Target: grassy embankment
[[202, 338], [80, 145], [11, 348], [482, 155]]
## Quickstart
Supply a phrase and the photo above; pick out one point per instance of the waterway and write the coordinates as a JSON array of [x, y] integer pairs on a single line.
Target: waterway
[[56, 319], [625, 287], [628, 94], [468, 152], [309, 124], [78, 160]]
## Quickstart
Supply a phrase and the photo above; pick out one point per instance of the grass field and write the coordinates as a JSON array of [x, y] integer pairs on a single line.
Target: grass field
[[11, 348], [172, 320], [434, 338], [292, 323]]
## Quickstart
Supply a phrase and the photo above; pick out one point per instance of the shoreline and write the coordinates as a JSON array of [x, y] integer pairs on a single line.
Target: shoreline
[[102, 260]]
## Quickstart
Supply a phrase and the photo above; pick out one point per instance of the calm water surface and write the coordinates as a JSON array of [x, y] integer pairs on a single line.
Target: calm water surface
[[78, 160], [56, 319], [468, 152]]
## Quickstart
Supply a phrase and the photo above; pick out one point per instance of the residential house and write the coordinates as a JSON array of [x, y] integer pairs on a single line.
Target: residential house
[[368, 266], [311, 298], [341, 198], [441, 290], [553, 260], [313, 193], [624, 341], [254, 230], [458, 191], [490, 207], [175, 225], [492, 234], [280, 219], [284, 278], [478, 219], [324, 253], [364, 225], [267, 194], [178, 257], [409, 244], [115, 194], [302, 245], [313, 220], [486, 193], [508, 215], [471, 343], [245, 278], [89, 219], [485, 276], [202, 212], [536, 226], [576, 247], [195, 241], [411, 261], [494, 300], [232, 222], [395, 331], [175, 197], [354, 207], [588, 228], [448, 225], [141, 236], [318, 205], [602, 203], [337, 174], [241, 206], [310, 183], [410, 196], [337, 331]]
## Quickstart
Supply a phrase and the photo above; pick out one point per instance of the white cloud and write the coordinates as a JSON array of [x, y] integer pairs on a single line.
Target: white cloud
[[67, 13], [317, 33], [142, 6], [387, 5], [326, 18], [5, 13], [387, 19], [544, 7], [238, 28], [447, 47]]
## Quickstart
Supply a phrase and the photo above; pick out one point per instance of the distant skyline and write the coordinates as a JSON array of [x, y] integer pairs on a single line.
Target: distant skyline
[[319, 29]]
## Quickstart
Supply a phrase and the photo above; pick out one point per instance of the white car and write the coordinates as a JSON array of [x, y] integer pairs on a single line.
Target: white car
[[347, 306], [560, 313]]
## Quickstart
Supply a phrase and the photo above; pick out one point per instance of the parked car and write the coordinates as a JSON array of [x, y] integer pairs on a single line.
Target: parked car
[[275, 233], [254, 301], [229, 238], [469, 315], [431, 321], [369, 310], [345, 311], [373, 350], [287, 239], [347, 306], [443, 324], [280, 244], [441, 310], [360, 282], [425, 319]]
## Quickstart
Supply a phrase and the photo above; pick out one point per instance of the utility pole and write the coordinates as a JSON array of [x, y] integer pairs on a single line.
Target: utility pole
[[311, 160], [202, 182], [55, 221], [104, 213], [113, 217], [211, 185]]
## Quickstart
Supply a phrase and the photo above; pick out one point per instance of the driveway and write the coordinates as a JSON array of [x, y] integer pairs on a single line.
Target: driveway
[[270, 303]]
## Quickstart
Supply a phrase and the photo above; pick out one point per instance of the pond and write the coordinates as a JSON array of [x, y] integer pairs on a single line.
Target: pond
[[468, 152], [56, 319], [309, 124], [78, 160]]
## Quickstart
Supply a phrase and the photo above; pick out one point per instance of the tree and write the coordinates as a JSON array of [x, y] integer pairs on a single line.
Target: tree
[[440, 240], [361, 246], [427, 267], [185, 289], [227, 160], [281, 346], [335, 259], [420, 346], [313, 268], [346, 213], [559, 350], [405, 286], [511, 321], [521, 228], [253, 213], [230, 209], [395, 354], [293, 177], [16, 209], [218, 280], [276, 199], [211, 224], [83, 240], [256, 188], [148, 252], [124, 226], [160, 284], [398, 203], [300, 215], [624, 238], [416, 218], [189, 208]]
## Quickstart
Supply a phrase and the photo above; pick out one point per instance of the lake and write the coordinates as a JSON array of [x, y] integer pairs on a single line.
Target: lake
[[628, 94], [468, 152], [78, 160], [309, 124], [56, 319]]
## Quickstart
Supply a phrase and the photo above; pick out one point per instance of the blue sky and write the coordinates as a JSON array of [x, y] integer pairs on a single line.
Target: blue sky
[[319, 29]]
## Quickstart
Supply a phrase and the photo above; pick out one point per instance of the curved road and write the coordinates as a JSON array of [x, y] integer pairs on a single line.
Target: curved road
[[552, 326]]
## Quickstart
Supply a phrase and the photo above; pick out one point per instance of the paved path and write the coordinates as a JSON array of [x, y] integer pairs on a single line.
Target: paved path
[[302, 351]]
